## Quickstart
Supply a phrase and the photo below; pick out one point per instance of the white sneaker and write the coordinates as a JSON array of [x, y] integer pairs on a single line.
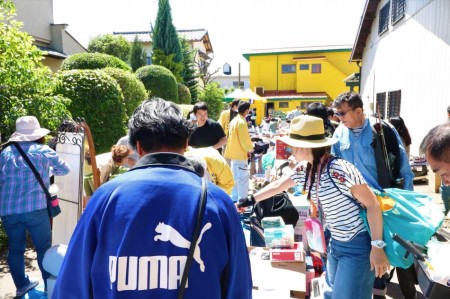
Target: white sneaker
[[22, 291]]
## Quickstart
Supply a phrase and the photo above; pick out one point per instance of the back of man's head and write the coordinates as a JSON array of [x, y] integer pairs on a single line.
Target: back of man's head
[[352, 99], [318, 110], [243, 106], [235, 103], [158, 124]]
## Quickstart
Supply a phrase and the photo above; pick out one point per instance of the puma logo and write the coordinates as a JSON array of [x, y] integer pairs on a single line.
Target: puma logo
[[168, 233]]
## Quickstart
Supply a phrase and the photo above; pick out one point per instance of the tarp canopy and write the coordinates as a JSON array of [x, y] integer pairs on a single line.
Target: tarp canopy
[[247, 94]]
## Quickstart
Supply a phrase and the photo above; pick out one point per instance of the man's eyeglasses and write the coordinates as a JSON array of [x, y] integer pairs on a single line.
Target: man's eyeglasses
[[343, 113]]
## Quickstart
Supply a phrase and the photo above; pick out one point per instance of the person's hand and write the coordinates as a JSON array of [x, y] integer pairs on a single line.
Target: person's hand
[[379, 261], [245, 202]]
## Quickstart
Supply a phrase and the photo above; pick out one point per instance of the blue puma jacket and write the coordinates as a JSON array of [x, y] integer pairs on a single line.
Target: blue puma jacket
[[133, 238]]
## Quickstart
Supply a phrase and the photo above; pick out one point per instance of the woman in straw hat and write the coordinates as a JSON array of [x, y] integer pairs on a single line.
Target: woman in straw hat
[[23, 204], [353, 258]]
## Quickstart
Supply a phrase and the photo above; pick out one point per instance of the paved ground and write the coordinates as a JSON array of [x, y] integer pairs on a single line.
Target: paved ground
[[7, 289]]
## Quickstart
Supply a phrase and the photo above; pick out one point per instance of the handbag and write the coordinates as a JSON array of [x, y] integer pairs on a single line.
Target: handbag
[[409, 214], [187, 267], [53, 208]]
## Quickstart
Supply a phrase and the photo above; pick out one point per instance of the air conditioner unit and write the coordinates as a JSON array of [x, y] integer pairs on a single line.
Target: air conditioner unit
[[259, 90]]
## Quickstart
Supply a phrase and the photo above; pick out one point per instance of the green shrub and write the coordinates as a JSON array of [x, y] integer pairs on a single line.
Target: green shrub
[[159, 81], [186, 109], [133, 89], [91, 61], [98, 99], [3, 237], [212, 94], [184, 94]]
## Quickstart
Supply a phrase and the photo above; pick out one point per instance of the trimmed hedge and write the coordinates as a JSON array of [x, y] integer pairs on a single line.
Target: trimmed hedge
[[159, 82], [184, 94], [98, 99], [91, 61], [133, 89]]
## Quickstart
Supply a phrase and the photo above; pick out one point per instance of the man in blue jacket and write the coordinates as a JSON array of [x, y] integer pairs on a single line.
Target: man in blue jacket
[[356, 145], [132, 240]]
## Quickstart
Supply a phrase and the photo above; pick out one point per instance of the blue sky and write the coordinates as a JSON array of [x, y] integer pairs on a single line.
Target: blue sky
[[234, 26]]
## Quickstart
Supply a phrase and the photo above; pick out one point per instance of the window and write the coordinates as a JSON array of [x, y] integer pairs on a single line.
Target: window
[[384, 19], [287, 68], [394, 101], [304, 67], [236, 83], [316, 68], [398, 10], [283, 104], [380, 104], [304, 105]]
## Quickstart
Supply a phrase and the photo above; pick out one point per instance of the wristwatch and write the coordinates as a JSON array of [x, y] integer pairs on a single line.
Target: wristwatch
[[378, 243]]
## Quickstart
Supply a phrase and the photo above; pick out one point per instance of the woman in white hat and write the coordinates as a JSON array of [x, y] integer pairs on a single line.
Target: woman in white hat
[[23, 203], [354, 258]]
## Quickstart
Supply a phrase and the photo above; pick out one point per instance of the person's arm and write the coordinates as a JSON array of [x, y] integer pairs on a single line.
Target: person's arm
[[244, 138], [405, 169], [221, 142], [378, 258], [274, 188], [58, 166]]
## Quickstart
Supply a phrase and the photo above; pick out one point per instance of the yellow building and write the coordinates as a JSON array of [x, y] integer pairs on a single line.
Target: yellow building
[[291, 77]]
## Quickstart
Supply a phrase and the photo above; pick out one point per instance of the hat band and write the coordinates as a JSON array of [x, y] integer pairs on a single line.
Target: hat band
[[310, 137]]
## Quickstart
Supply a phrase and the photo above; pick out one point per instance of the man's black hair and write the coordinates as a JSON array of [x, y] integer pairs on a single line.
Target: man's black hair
[[317, 109], [157, 123], [352, 99], [243, 106], [200, 106]]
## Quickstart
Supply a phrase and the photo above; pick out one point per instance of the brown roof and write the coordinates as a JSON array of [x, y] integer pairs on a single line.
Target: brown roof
[[369, 14], [191, 35], [292, 94]]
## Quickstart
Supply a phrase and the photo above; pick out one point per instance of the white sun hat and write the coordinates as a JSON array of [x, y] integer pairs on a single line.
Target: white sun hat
[[28, 129]]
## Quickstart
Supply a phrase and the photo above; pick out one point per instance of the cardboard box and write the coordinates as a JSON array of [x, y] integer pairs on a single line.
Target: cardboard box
[[295, 254], [280, 275]]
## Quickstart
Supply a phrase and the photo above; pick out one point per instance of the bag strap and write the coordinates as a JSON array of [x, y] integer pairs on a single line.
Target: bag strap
[[201, 212], [337, 187], [36, 173]]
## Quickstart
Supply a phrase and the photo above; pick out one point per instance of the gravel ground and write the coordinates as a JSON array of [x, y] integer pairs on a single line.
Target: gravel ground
[[8, 290]]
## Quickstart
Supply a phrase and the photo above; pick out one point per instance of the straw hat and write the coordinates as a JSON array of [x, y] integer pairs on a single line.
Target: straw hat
[[28, 129], [308, 132]]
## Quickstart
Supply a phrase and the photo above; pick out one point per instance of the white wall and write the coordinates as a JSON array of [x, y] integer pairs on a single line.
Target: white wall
[[414, 57]]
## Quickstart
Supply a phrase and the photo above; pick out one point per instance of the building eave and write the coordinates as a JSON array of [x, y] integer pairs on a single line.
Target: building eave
[[367, 18]]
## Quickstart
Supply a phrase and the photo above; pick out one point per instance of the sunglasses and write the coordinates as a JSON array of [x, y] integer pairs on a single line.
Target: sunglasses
[[342, 114]]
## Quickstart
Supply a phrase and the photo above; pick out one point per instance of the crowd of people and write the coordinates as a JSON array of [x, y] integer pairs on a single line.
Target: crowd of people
[[135, 231]]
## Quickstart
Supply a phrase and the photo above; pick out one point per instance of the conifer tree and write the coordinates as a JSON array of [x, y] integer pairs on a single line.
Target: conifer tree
[[165, 35], [190, 78], [137, 55]]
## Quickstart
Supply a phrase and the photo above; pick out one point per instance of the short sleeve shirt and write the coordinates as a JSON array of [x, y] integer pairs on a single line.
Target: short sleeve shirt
[[341, 214], [207, 135]]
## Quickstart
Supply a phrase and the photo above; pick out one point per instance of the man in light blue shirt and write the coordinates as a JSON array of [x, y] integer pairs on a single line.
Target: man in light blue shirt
[[355, 145]]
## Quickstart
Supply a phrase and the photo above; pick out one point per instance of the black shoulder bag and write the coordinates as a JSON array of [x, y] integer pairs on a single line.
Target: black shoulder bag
[[201, 212], [53, 208]]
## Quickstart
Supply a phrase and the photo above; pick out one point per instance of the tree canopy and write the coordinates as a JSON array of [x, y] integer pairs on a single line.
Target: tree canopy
[[138, 55], [115, 45], [26, 85]]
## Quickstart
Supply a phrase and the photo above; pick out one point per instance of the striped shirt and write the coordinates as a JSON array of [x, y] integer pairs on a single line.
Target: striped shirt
[[20, 191], [342, 216]]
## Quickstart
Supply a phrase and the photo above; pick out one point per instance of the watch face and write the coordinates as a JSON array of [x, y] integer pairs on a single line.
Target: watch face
[[378, 243]]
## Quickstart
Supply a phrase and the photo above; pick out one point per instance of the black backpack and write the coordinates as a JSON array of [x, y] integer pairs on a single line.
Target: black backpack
[[387, 155]]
